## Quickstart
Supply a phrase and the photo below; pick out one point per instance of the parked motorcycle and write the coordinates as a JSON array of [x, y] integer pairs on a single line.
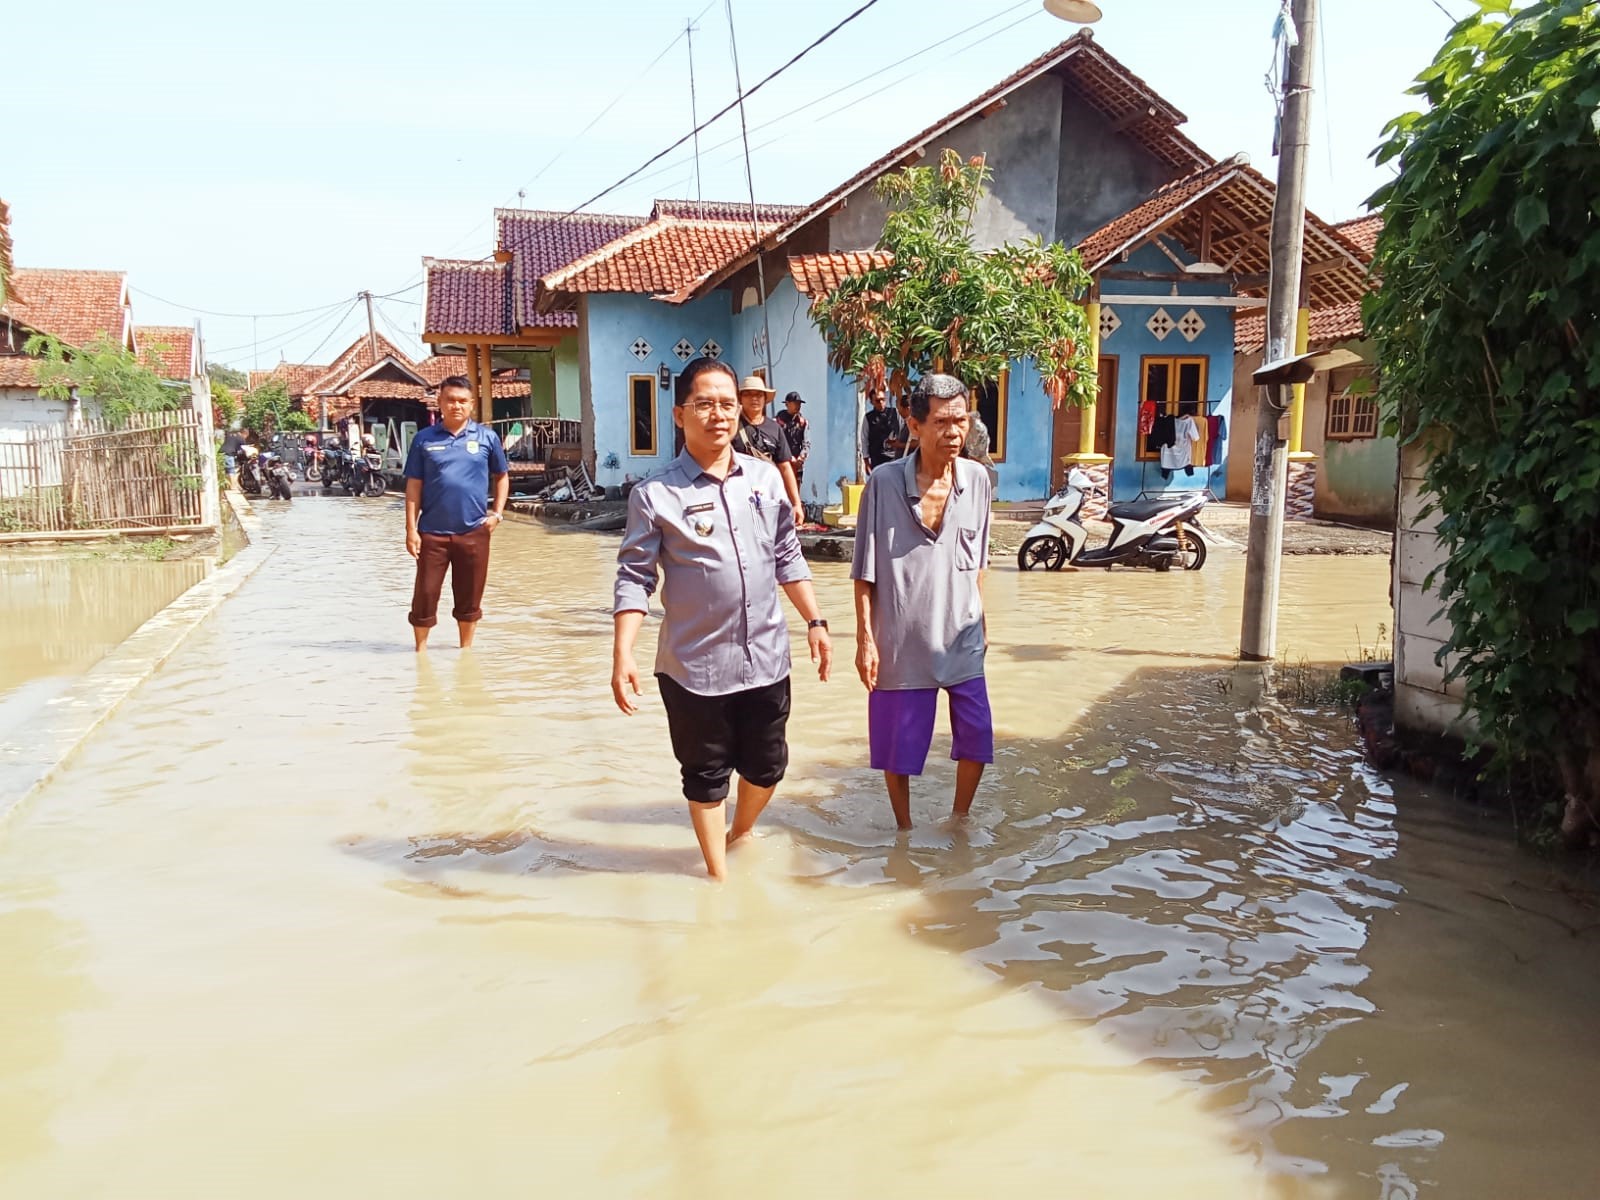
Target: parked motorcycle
[[314, 460], [335, 468], [1160, 533], [366, 475], [275, 476], [248, 461]]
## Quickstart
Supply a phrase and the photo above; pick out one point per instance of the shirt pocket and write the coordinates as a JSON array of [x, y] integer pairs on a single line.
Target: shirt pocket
[[969, 549]]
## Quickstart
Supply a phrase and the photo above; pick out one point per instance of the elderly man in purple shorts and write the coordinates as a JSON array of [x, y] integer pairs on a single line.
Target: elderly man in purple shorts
[[922, 546]]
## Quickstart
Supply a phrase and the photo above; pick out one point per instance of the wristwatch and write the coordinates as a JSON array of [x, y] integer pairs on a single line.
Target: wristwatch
[[819, 623]]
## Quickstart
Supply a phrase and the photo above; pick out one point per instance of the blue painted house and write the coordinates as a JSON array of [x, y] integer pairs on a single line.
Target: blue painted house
[[1083, 152]]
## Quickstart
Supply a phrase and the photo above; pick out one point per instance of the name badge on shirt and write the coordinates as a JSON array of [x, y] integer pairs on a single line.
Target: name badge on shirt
[[472, 447], [700, 517]]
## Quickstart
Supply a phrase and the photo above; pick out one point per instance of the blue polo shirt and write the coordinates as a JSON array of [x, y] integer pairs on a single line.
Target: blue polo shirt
[[455, 471]]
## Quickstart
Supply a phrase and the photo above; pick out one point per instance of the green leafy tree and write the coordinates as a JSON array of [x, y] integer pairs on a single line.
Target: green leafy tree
[[941, 304], [224, 404], [1488, 330], [220, 373], [268, 409], [104, 371]]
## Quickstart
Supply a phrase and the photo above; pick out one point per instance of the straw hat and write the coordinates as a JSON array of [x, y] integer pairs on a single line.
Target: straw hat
[[752, 383]]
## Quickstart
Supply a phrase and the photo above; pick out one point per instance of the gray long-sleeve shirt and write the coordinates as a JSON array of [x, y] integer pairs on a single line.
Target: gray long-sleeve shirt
[[722, 548]]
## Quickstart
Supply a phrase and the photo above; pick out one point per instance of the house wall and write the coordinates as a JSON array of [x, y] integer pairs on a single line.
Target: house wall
[[799, 364], [1355, 479], [1132, 342], [1021, 144], [1123, 172], [1424, 702], [569, 405], [609, 326]]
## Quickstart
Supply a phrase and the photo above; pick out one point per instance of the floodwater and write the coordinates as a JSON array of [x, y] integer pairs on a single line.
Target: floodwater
[[313, 916], [61, 615]]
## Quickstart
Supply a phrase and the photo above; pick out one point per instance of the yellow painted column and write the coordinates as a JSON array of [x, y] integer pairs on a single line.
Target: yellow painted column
[[1086, 430], [485, 382], [1297, 404]]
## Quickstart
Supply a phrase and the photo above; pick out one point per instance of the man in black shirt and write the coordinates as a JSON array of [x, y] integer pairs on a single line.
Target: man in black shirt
[[761, 437], [798, 431], [878, 427]]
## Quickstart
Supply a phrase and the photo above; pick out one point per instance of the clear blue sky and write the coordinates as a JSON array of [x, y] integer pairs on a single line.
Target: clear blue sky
[[278, 158]]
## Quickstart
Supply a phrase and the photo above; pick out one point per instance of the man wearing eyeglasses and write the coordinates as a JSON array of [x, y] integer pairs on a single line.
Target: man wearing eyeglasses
[[718, 528]]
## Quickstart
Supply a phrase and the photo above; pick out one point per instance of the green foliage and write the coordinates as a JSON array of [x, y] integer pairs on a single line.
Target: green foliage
[[103, 371], [224, 405], [1488, 330], [269, 408], [943, 305], [227, 376]]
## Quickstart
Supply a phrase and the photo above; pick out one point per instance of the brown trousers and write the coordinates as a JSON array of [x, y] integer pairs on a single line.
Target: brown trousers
[[467, 557]]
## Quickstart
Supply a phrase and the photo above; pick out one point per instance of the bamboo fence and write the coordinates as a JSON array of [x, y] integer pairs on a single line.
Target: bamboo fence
[[143, 474]]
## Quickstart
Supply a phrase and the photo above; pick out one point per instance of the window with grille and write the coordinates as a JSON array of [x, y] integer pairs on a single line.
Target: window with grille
[[1173, 386], [1352, 406]]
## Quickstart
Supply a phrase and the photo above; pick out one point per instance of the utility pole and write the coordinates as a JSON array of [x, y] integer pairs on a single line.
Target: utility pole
[[372, 330], [1264, 556], [755, 223], [694, 114]]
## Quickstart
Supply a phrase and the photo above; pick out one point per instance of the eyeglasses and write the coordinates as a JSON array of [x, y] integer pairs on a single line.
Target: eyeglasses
[[723, 408]]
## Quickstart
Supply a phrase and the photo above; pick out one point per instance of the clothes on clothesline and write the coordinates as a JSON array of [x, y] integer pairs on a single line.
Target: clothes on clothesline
[[1163, 432], [1179, 451], [1147, 418]]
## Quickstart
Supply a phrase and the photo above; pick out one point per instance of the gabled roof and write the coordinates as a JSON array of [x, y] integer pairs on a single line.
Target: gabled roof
[[1092, 74], [173, 347], [666, 259], [356, 363], [1337, 323], [74, 307], [724, 210], [464, 296], [820, 274], [542, 241], [1239, 200], [297, 377]]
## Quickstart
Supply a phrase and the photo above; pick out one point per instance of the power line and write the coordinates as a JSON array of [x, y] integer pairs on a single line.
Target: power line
[[722, 112], [206, 312], [353, 305], [281, 338]]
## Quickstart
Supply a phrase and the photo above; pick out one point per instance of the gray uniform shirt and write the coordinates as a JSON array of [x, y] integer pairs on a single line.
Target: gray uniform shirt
[[927, 615], [723, 546]]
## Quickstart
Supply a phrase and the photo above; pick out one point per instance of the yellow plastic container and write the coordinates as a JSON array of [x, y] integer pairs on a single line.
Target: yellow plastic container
[[852, 498]]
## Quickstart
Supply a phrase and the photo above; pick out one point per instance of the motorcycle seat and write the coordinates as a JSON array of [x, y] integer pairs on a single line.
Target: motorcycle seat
[[1141, 510]]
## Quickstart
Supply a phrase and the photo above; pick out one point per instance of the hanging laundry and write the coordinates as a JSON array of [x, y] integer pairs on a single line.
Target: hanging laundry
[[1147, 418], [1180, 451], [1214, 427], [1162, 433]]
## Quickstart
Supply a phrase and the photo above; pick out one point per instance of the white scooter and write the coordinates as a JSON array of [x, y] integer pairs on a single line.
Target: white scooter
[[1160, 533]]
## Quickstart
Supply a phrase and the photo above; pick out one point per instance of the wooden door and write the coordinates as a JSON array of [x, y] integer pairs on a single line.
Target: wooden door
[[1069, 423]]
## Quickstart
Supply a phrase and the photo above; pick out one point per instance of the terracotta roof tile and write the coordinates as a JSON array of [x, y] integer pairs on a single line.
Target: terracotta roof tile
[[438, 367], [1133, 226], [173, 346], [724, 210], [18, 371], [357, 357], [73, 306], [819, 274], [667, 258], [542, 241], [1337, 323], [467, 297], [1363, 231]]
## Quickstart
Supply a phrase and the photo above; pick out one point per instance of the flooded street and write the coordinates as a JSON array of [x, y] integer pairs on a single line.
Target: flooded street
[[315, 916]]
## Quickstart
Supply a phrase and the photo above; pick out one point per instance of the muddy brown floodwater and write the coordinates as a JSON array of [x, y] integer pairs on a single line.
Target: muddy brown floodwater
[[313, 917]]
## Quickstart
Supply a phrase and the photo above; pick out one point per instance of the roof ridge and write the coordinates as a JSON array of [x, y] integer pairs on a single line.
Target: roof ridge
[[565, 215], [649, 229]]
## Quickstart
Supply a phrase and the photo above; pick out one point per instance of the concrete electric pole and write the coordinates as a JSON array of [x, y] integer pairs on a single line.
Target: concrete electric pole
[[1259, 634], [372, 329]]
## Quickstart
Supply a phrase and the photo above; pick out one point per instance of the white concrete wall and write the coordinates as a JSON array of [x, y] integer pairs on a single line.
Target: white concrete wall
[[1423, 701]]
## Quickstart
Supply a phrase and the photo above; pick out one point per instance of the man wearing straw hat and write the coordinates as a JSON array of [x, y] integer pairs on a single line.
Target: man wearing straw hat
[[760, 436]]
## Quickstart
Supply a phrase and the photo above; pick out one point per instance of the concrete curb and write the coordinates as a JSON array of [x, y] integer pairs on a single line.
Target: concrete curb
[[48, 741]]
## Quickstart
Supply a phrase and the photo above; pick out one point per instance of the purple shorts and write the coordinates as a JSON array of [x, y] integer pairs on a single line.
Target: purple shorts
[[900, 726]]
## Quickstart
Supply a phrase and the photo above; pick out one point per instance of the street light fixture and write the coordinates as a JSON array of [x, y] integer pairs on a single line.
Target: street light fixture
[[1080, 12]]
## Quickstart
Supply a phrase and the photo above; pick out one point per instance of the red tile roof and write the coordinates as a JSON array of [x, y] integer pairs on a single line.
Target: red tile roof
[[296, 376], [439, 367], [1090, 72], [18, 371], [467, 297], [1337, 323], [819, 274], [72, 306], [665, 259], [724, 210], [1136, 224], [1363, 231], [356, 359], [172, 346], [540, 242]]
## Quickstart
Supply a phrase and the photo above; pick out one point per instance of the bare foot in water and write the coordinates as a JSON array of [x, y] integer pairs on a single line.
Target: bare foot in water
[[736, 838]]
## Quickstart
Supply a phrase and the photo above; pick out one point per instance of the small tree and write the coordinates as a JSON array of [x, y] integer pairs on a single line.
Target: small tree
[[268, 409], [220, 373], [1489, 335], [224, 405], [104, 371], [941, 304]]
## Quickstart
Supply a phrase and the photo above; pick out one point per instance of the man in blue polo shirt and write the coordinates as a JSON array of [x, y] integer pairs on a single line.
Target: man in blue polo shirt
[[448, 514]]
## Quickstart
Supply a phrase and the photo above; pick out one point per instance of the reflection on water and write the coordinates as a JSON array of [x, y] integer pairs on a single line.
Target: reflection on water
[[433, 926]]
